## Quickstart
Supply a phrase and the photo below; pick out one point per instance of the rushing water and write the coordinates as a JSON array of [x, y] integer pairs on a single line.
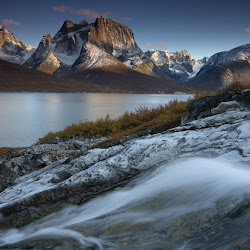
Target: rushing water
[[27, 116], [139, 215]]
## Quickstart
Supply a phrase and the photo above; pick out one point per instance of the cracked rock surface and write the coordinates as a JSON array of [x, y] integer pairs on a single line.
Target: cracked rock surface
[[220, 137]]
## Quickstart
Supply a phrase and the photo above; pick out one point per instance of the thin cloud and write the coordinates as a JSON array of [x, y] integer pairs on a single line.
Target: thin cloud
[[161, 45], [8, 22], [63, 8], [82, 12], [126, 18], [91, 13], [147, 44], [247, 30]]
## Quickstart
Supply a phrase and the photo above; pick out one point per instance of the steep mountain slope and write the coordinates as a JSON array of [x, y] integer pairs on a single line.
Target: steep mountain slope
[[11, 49], [224, 68], [97, 66], [115, 38], [14, 77], [104, 52], [70, 43], [179, 65], [61, 51]]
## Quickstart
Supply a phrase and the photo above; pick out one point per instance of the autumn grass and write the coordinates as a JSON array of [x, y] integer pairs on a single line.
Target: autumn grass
[[5, 150], [235, 85], [156, 119], [129, 121], [143, 121]]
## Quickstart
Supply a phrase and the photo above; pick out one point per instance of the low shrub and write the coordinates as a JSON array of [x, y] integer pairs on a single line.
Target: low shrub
[[142, 117], [155, 119]]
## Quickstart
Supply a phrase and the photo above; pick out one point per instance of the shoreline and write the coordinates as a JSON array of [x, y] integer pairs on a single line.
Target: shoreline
[[84, 92], [59, 173]]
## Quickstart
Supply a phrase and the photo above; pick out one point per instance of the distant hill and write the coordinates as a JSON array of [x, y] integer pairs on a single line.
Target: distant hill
[[14, 77], [224, 68]]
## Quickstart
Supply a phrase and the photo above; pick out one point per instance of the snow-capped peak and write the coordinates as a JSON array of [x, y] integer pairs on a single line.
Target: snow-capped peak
[[177, 65], [241, 53]]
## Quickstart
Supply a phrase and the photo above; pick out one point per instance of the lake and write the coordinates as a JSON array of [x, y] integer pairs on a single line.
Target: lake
[[25, 117]]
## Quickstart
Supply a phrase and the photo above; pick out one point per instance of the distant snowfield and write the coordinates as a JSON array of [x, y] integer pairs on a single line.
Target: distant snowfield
[[196, 69]]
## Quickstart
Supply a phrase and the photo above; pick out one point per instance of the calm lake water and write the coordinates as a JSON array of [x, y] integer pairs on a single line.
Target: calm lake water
[[25, 117]]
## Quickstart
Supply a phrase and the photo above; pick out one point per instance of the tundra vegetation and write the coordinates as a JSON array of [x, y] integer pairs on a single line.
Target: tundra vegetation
[[142, 121]]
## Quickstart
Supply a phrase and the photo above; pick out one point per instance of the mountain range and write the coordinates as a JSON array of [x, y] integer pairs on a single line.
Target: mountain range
[[105, 53]]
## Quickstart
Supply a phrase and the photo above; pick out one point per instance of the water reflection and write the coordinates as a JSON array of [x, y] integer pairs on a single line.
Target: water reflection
[[27, 116]]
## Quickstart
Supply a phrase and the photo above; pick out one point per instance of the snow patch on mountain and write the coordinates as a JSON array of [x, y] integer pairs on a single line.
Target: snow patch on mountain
[[134, 62], [95, 57], [11, 49], [65, 47], [241, 53], [196, 68], [68, 47], [177, 65]]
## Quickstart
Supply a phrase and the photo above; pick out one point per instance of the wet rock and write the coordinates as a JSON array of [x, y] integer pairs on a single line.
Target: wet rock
[[75, 180], [50, 244], [98, 170]]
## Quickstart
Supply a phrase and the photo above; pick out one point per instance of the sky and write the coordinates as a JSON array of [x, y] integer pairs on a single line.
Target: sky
[[200, 27]]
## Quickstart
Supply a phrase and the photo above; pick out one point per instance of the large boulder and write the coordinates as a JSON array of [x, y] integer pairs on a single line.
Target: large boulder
[[203, 107], [224, 106]]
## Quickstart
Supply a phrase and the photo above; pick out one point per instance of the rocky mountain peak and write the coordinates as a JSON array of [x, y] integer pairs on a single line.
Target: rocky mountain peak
[[46, 40], [6, 35], [2, 27], [203, 60], [83, 23], [99, 20], [82, 43], [115, 38], [69, 27], [67, 24], [100, 31], [178, 65], [11, 49]]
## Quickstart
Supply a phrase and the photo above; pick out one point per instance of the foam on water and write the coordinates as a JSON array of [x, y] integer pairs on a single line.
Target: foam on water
[[169, 191]]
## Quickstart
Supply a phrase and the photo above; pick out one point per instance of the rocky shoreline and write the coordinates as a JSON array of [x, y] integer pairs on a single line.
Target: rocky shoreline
[[17, 163], [45, 178]]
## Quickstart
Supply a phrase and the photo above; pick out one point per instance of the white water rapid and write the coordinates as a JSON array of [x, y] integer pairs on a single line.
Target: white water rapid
[[149, 202]]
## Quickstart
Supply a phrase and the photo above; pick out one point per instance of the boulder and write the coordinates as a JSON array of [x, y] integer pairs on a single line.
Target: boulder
[[224, 106], [202, 107]]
